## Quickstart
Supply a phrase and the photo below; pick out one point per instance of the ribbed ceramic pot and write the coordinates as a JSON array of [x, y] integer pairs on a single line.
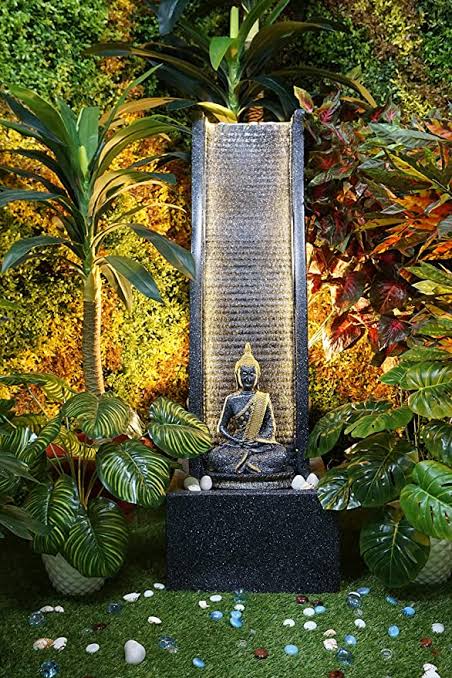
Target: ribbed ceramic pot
[[67, 580], [438, 567]]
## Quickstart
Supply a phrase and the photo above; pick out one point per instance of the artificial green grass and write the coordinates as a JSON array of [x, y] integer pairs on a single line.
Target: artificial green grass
[[25, 588]]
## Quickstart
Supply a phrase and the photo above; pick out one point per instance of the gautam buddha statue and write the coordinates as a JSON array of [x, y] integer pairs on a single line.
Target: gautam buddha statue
[[247, 423]]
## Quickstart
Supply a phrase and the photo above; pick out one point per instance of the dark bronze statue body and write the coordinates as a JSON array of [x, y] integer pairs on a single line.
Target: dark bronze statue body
[[251, 452]]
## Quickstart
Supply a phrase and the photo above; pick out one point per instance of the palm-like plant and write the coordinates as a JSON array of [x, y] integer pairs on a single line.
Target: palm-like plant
[[77, 162], [229, 75]]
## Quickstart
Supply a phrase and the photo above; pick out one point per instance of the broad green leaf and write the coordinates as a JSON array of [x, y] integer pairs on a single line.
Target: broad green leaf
[[137, 275], [132, 472], [394, 550], [385, 421], [326, 432], [103, 416], [406, 138], [8, 195], [54, 387], [43, 110], [88, 130], [18, 521], [381, 466], [120, 284], [55, 505], [335, 490], [176, 431], [22, 249], [97, 541], [419, 354], [217, 50], [437, 327], [427, 502], [432, 382], [437, 438], [221, 113], [176, 255], [394, 376], [11, 466]]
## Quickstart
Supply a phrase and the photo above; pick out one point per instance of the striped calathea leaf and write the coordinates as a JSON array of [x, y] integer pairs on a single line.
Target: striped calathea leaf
[[99, 416], [177, 432], [132, 472], [97, 541]]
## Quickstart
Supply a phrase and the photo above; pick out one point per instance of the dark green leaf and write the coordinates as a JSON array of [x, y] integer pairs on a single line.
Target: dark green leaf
[[54, 387], [433, 385], [437, 438], [103, 416], [217, 50], [335, 490], [22, 249], [385, 421], [176, 255], [176, 431], [137, 275], [438, 327], [427, 502]]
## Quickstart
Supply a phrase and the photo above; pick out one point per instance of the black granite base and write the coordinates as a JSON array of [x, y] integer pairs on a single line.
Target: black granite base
[[256, 540]]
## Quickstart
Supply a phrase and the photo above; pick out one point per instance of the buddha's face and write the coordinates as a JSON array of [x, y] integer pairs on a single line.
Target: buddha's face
[[248, 378]]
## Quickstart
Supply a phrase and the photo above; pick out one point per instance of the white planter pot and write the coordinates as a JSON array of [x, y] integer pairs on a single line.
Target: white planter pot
[[438, 567], [67, 579]]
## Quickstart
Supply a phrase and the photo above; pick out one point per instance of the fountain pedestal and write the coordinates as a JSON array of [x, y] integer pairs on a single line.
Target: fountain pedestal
[[256, 540]]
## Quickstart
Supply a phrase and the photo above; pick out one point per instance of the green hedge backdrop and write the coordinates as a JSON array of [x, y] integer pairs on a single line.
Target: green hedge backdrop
[[403, 50]]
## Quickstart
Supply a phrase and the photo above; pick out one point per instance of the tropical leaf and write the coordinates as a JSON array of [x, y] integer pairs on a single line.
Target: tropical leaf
[[103, 416], [437, 327], [385, 421], [335, 490], [8, 195], [350, 290], [176, 431], [381, 466], [432, 382], [427, 502], [386, 295], [132, 472], [394, 376], [437, 438], [55, 505], [221, 113], [217, 50], [420, 354], [137, 275], [54, 387], [393, 549], [168, 13], [18, 521], [176, 255], [97, 541]]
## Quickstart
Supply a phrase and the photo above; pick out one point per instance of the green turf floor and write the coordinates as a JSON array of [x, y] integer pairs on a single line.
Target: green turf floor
[[24, 588]]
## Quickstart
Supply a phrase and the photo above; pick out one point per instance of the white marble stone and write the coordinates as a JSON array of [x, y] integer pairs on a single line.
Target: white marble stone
[[205, 483], [92, 648], [134, 652]]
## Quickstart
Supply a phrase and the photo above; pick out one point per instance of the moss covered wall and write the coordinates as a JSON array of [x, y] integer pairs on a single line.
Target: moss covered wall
[[402, 48]]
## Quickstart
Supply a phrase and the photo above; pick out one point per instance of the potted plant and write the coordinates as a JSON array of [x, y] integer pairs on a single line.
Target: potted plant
[[77, 163], [232, 77], [402, 463], [76, 498]]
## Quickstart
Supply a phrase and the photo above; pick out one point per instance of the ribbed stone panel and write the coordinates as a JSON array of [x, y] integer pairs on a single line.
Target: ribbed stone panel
[[248, 269]]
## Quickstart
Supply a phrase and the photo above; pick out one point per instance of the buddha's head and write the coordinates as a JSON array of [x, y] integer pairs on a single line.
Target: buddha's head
[[247, 370]]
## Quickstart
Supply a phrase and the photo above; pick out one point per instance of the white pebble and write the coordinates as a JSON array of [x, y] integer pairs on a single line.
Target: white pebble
[[299, 483], [309, 612], [42, 644], [148, 593], [189, 481], [60, 643], [428, 667], [310, 626], [92, 648], [431, 673], [239, 607], [59, 609], [330, 644], [360, 623], [47, 608], [438, 628], [216, 598], [288, 622], [131, 597], [312, 480], [159, 586], [206, 483], [330, 633], [154, 620], [203, 604], [134, 652], [194, 488]]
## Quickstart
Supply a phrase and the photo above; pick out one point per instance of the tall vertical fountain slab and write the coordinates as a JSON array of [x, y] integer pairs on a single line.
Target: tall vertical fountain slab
[[250, 286], [248, 243]]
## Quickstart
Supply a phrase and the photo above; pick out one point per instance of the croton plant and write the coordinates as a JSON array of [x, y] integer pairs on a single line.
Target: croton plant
[[84, 459]]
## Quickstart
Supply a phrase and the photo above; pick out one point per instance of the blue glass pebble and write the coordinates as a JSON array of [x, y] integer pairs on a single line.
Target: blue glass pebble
[[36, 619], [291, 650], [168, 643], [216, 615], [393, 631], [391, 600], [198, 662], [353, 600], [363, 590], [49, 669], [350, 640], [114, 608], [320, 609], [236, 623], [408, 611], [344, 656], [236, 614]]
